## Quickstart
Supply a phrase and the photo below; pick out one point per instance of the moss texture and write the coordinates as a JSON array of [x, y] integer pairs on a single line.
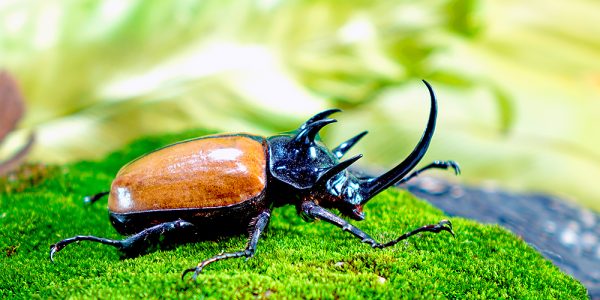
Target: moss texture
[[42, 205]]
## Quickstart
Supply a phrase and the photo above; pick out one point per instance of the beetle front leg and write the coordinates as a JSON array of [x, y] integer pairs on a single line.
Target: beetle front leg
[[438, 164], [257, 226], [132, 245], [318, 212]]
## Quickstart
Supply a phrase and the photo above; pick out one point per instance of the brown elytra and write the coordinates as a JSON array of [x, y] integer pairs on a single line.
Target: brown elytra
[[214, 171]]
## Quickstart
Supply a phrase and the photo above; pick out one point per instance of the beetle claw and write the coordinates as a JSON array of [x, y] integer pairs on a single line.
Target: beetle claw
[[196, 273], [53, 249], [447, 226], [455, 166], [186, 272], [196, 270]]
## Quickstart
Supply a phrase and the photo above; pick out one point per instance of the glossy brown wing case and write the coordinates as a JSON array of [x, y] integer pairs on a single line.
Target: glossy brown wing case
[[210, 172]]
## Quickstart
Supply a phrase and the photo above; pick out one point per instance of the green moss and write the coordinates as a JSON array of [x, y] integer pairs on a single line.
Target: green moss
[[294, 259]]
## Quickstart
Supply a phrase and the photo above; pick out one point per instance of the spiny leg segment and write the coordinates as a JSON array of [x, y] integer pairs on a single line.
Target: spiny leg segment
[[318, 212], [257, 226], [132, 245], [438, 164]]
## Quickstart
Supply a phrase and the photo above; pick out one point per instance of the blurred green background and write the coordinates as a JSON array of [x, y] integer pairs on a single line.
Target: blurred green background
[[518, 81]]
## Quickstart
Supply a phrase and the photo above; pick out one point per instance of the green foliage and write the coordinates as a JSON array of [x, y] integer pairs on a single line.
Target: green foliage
[[41, 206]]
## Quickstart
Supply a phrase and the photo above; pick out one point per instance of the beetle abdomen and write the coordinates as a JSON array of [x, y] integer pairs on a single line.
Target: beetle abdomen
[[208, 172]]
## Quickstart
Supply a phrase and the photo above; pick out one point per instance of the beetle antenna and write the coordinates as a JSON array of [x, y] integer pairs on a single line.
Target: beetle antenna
[[375, 185], [318, 117], [340, 150], [329, 173], [309, 133]]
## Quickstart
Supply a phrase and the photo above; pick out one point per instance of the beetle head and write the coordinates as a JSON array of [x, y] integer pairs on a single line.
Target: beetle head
[[301, 162]]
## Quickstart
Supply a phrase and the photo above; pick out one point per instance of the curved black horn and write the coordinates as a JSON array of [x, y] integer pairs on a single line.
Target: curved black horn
[[318, 117], [325, 176], [309, 133], [375, 185], [340, 150]]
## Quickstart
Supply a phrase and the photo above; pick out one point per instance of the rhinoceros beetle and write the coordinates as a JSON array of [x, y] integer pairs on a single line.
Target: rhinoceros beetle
[[228, 183]]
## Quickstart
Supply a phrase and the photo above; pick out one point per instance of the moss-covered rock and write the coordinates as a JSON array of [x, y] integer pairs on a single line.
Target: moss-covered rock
[[42, 205]]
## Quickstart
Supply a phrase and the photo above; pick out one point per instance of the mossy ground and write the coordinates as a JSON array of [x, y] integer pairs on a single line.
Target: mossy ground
[[295, 259]]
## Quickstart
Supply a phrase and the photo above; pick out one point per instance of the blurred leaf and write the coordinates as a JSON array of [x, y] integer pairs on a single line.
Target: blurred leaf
[[464, 17], [11, 111], [506, 111], [17, 158], [451, 78], [11, 104], [504, 103]]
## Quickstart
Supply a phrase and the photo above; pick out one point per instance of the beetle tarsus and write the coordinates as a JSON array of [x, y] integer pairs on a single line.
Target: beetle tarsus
[[94, 198], [438, 164], [132, 245], [53, 249], [62, 244], [248, 253], [443, 225], [321, 213], [258, 225]]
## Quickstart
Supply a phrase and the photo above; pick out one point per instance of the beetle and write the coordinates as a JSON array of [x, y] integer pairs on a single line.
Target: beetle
[[230, 182]]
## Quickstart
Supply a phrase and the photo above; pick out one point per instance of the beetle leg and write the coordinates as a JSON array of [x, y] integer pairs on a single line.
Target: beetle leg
[[94, 198], [257, 226], [438, 164], [132, 245], [318, 212]]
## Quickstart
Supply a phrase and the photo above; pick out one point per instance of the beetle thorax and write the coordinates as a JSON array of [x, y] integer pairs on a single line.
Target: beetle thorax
[[300, 168], [297, 166]]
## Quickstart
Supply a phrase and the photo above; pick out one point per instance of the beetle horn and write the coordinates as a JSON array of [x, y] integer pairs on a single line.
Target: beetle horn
[[375, 185], [340, 150], [329, 173], [309, 133], [320, 116]]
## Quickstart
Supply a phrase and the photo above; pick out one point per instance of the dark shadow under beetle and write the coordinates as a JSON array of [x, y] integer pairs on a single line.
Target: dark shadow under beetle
[[297, 169]]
